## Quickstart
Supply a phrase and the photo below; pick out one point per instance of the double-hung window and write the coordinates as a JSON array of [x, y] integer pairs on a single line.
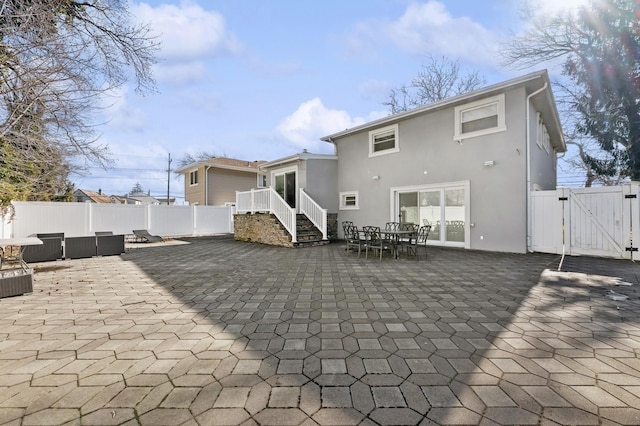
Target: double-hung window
[[193, 177], [480, 118], [383, 141]]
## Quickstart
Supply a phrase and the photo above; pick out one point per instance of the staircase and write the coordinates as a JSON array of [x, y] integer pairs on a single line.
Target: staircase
[[307, 233]]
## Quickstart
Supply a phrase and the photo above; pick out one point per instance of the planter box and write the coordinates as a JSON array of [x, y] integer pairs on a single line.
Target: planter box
[[14, 282]]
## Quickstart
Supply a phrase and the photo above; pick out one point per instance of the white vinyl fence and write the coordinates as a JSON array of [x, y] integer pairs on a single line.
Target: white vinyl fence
[[603, 221], [84, 219]]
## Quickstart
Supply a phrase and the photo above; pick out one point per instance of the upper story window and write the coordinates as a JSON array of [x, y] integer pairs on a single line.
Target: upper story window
[[349, 200], [262, 181], [193, 177], [383, 141], [480, 118]]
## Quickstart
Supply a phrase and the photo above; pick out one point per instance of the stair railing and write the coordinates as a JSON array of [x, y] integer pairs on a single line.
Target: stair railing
[[316, 214], [269, 201]]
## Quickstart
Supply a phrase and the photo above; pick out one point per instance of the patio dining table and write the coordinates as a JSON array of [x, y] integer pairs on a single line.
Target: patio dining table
[[396, 237]]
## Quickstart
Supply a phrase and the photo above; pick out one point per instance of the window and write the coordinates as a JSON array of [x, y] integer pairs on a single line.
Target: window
[[480, 118], [383, 141], [262, 181], [543, 139], [193, 177], [349, 200]]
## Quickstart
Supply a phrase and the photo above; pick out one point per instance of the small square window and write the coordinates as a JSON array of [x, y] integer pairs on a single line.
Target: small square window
[[480, 118], [383, 141], [193, 177], [349, 200], [262, 181]]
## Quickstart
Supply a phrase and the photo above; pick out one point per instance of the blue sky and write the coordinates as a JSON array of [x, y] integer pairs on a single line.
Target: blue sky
[[263, 79]]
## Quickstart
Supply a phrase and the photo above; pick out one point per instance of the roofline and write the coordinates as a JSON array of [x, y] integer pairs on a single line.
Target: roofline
[[443, 103], [217, 166], [296, 157]]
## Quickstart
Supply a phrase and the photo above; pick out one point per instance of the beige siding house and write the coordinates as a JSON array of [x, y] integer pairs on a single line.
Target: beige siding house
[[214, 182]]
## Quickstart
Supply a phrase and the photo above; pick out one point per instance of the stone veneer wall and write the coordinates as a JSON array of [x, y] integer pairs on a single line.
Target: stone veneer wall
[[260, 228], [266, 229]]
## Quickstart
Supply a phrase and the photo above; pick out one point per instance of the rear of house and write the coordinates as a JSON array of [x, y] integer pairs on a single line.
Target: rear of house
[[465, 165]]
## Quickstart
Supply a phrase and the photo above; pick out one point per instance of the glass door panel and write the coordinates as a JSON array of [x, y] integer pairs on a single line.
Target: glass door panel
[[290, 188], [286, 187], [409, 208], [454, 213], [431, 212]]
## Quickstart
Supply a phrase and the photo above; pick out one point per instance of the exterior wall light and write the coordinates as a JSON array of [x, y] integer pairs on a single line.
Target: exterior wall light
[[489, 163]]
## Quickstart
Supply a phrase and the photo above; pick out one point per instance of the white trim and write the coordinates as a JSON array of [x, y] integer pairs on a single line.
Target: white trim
[[388, 129], [344, 195], [498, 100], [439, 186], [191, 173], [261, 180]]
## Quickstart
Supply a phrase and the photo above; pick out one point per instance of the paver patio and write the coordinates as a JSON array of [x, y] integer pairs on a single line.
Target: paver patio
[[223, 332]]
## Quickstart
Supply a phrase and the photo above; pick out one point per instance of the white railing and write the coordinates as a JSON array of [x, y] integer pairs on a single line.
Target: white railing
[[316, 214], [268, 200]]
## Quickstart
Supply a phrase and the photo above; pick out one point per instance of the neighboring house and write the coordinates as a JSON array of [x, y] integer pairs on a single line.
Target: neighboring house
[[163, 201], [214, 182], [86, 196], [140, 198], [465, 165]]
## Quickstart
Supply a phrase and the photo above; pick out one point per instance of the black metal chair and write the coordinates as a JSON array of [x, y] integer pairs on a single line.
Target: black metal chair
[[375, 241], [408, 240], [420, 242], [354, 239]]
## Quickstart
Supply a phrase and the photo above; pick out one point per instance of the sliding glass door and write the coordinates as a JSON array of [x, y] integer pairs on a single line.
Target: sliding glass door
[[444, 208], [286, 187]]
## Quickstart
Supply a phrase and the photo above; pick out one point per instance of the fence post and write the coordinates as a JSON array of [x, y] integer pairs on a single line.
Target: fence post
[[253, 201], [194, 220]]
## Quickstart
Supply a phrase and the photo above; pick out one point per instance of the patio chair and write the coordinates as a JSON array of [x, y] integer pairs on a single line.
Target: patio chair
[[345, 225], [420, 242], [375, 241], [408, 240], [144, 236], [354, 238], [51, 248]]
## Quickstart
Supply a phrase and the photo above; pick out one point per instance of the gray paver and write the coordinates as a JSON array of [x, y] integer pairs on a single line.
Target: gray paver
[[222, 332]]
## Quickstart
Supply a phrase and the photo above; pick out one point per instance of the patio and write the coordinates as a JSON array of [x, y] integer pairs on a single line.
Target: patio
[[218, 331]]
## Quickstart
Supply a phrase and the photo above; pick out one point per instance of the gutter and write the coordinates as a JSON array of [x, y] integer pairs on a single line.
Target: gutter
[[528, 159]]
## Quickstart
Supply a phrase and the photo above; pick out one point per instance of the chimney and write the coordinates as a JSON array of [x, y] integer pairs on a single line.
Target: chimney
[[99, 191]]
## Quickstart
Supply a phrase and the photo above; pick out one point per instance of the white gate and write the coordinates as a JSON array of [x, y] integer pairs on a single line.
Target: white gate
[[603, 221]]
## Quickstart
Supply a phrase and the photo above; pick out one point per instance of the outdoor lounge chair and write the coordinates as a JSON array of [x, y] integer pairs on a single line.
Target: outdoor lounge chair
[[144, 236]]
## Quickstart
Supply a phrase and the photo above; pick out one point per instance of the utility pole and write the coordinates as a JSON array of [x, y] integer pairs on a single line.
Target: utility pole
[[168, 178]]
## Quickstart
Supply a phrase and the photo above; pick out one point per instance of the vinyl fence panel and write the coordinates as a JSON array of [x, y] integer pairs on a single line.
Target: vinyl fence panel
[[118, 218], [84, 219]]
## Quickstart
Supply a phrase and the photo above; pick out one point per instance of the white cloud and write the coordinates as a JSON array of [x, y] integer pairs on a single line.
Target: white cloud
[[312, 120], [120, 114], [187, 31], [181, 73], [428, 28]]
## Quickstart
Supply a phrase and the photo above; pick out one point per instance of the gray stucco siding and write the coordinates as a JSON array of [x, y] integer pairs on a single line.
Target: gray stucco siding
[[497, 194]]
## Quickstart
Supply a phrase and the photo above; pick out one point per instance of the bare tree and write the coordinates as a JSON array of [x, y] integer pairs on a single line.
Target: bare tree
[[597, 49], [57, 59], [194, 158], [439, 79]]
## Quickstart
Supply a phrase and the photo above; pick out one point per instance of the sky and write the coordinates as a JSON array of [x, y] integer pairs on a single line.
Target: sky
[[265, 79]]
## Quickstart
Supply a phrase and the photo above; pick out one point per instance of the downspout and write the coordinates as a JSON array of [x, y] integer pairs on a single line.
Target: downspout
[[206, 185], [528, 159]]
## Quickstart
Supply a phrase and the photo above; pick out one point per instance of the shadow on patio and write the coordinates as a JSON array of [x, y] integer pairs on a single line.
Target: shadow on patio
[[223, 332]]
